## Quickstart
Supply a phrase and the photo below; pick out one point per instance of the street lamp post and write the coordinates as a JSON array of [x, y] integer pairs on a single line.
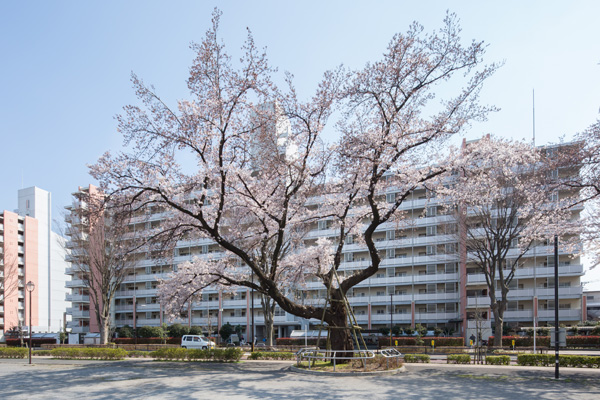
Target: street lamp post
[[391, 317], [252, 313], [30, 288], [556, 317], [135, 321]]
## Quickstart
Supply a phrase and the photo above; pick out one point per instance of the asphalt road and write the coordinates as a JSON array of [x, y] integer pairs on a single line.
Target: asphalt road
[[143, 379]]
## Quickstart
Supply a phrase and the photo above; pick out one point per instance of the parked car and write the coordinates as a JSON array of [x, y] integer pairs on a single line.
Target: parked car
[[196, 342]]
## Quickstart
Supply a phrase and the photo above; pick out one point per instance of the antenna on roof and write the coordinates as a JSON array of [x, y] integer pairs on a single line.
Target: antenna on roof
[[533, 96]]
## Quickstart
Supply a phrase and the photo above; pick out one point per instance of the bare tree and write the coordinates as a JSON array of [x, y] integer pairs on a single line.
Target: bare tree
[[504, 201], [9, 286], [100, 246]]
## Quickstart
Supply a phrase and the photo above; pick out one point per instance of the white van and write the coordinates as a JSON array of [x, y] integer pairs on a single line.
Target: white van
[[196, 342]]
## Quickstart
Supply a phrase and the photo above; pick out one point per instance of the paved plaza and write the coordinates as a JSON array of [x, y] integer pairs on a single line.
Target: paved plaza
[[144, 379]]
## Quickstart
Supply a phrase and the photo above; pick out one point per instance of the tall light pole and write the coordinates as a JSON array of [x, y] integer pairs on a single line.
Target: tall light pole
[[556, 319], [30, 288], [252, 313], [391, 317]]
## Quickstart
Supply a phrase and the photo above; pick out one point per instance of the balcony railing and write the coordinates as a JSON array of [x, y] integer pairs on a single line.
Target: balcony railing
[[77, 298]]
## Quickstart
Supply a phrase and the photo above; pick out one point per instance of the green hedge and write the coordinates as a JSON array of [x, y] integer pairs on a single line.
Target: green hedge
[[148, 340], [12, 352], [286, 341], [225, 355], [416, 358], [35, 342], [458, 359], [527, 341], [545, 360], [271, 355], [426, 341], [89, 353], [138, 354], [497, 360]]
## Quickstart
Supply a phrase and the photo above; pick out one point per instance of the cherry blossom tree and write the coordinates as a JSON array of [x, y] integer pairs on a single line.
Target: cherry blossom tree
[[584, 153], [505, 201], [242, 163]]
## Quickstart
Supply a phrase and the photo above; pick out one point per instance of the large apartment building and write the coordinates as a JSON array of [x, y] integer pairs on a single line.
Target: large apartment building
[[30, 251], [425, 278]]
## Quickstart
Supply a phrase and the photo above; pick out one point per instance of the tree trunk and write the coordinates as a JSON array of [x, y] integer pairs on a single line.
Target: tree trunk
[[498, 324], [104, 329], [339, 331], [268, 306]]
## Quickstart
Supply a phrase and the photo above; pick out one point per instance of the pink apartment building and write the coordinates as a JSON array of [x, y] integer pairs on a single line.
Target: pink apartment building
[[30, 251]]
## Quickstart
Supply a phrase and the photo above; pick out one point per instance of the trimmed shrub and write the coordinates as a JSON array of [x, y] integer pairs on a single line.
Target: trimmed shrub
[[138, 354], [286, 341], [150, 340], [88, 353], [271, 355], [417, 358], [42, 353], [224, 355], [195, 330], [178, 330], [497, 360], [583, 340], [458, 359], [35, 342], [12, 352], [150, 332], [413, 341], [125, 331], [527, 341], [545, 360]]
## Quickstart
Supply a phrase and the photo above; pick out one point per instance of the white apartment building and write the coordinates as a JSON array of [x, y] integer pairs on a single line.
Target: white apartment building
[[424, 279]]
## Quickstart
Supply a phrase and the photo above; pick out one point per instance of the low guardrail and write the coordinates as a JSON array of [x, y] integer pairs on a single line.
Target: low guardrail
[[314, 354]]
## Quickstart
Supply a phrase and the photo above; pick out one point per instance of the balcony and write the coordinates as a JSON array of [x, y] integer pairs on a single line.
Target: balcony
[[539, 272], [146, 277], [563, 315], [436, 278], [237, 303], [438, 296], [518, 315], [547, 293], [75, 283], [385, 318], [77, 298], [80, 329], [478, 302], [79, 314], [483, 324], [436, 316], [138, 293]]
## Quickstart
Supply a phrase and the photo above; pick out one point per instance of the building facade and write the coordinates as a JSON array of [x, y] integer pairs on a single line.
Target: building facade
[[425, 278], [30, 251]]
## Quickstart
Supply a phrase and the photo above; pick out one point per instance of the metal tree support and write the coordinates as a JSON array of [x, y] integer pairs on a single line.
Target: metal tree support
[[353, 322]]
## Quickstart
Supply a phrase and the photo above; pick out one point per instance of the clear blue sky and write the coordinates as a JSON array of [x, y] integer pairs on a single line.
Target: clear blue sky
[[65, 66]]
